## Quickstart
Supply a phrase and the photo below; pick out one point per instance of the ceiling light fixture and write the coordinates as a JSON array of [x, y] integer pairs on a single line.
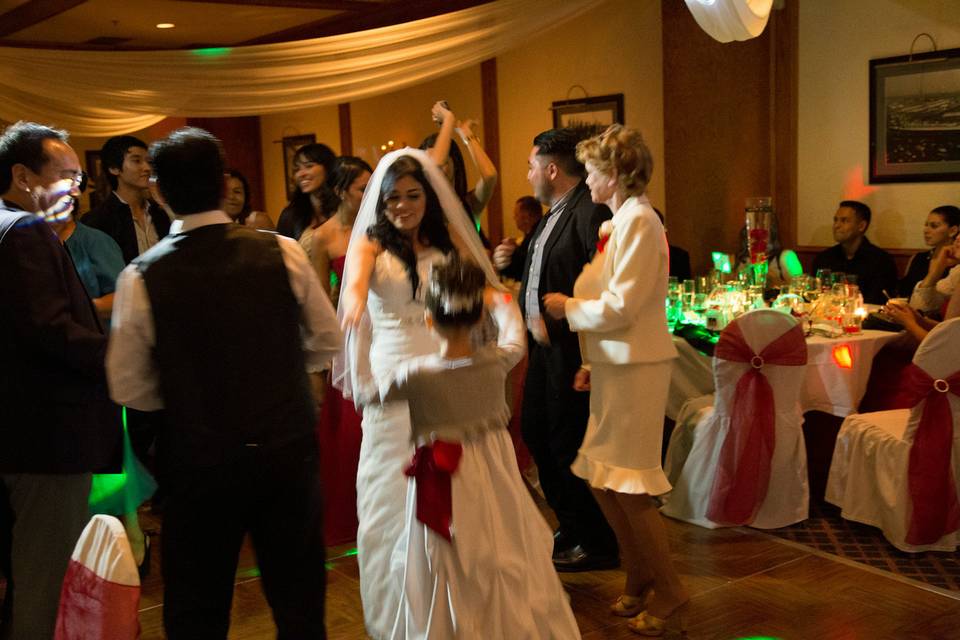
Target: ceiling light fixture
[[166, 25]]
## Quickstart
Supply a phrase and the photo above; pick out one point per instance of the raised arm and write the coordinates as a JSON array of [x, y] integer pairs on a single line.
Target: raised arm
[[483, 190], [441, 148]]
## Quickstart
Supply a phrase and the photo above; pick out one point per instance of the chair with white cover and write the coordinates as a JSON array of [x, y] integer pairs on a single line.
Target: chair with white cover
[[896, 470], [747, 463], [691, 413], [101, 591]]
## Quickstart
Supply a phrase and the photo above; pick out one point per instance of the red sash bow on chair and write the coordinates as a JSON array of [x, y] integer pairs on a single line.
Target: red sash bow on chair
[[432, 466], [931, 485], [743, 472]]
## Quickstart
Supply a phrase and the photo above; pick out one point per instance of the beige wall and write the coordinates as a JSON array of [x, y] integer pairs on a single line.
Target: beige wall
[[615, 48], [402, 116], [603, 55], [321, 121], [837, 40]]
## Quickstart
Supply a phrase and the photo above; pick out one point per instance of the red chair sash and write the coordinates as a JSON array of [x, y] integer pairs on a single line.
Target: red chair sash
[[932, 488], [93, 608], [431, 467], [743, 472]]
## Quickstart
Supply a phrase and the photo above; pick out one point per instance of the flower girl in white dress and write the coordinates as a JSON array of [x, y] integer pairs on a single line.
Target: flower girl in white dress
[[477, 559]]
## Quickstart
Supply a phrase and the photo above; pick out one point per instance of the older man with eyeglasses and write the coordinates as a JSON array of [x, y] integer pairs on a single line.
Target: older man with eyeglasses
[[58, 424]]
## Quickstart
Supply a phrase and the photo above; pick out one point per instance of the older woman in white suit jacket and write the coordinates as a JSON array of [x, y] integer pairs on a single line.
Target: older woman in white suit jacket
[[618, 310]]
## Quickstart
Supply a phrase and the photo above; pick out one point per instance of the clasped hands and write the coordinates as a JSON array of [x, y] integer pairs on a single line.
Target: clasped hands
[[902, 314]]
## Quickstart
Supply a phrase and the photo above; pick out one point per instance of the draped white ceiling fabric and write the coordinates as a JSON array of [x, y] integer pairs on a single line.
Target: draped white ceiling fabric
[[728, 20], [104, 93]]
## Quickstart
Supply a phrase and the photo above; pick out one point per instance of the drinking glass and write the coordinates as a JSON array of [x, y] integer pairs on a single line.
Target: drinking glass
[[823, 277], [689, 292]]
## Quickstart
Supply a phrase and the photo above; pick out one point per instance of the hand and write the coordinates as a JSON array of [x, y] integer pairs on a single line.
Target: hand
[[902, 314], [465, 127], [554, 304], [942, 260], [503, 254], [56, 202], [440, 111], [318, 385], [581, 380]]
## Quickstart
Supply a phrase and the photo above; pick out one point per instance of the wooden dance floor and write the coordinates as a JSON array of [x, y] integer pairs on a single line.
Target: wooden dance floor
[[745, 584]]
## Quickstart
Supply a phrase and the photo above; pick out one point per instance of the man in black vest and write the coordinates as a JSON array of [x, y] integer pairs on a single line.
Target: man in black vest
[[554, 416], [58, 423], [236, 452]]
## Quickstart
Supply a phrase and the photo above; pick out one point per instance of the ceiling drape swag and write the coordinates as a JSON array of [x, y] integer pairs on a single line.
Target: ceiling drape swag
[[104, 93]]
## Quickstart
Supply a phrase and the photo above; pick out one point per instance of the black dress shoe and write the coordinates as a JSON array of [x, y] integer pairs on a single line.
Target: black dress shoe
[[561, 543], [577, 559]]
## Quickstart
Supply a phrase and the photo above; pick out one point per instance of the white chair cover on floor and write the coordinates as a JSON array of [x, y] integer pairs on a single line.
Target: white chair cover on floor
[[692, 413], [101, 591], [870, 472], [781, 500]]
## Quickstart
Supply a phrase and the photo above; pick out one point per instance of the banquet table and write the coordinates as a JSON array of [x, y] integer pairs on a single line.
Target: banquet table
[[836, 376]]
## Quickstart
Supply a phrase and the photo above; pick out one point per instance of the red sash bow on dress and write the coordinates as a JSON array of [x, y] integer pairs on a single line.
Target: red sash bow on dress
[[931, 484], [743, 472], [432, 466]]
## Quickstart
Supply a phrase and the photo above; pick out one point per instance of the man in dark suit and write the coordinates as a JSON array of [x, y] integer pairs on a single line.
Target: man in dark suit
[[58, 423], [679, 258], [854, 254], [231, 461], [554, 416], [136, 223], [127, 215]]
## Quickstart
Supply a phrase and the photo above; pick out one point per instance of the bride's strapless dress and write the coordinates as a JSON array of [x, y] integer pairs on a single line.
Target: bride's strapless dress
[[399, 333]]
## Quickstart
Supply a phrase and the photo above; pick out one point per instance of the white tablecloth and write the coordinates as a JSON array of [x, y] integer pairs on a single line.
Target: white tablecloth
[[827, 385]]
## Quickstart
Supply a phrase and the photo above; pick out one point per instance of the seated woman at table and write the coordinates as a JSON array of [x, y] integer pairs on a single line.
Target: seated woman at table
[[918, 324], [929, 295], [939, 231], [617, 308], [783, 264]]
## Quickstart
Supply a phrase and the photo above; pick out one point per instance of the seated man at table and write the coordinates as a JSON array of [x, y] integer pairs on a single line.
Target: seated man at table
[[679, 258], [855, 254]]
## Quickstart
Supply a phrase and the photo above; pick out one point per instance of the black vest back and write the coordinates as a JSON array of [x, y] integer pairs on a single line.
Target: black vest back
[[228, 346]]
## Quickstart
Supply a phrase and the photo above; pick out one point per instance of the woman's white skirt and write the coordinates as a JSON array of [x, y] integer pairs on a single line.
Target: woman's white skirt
[[621, 448]]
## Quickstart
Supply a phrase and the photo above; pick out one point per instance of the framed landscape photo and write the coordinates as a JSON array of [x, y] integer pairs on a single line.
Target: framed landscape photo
[[290, 146], [915, 118], [591, 115]]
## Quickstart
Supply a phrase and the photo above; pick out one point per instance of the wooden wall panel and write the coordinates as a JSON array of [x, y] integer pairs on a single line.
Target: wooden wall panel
[[729, 130], [491, 144], [241, 142]]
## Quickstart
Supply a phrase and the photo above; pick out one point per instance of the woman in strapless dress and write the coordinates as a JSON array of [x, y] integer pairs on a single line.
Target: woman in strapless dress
[[338, 429], [409, 218]]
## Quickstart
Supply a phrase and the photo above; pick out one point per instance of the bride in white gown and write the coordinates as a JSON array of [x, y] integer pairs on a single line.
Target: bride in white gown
[[414, 218]]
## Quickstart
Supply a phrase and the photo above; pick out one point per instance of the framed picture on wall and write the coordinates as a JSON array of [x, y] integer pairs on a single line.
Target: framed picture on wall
[[97, 187], [290, 146], [915, 118], [592, 115]]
